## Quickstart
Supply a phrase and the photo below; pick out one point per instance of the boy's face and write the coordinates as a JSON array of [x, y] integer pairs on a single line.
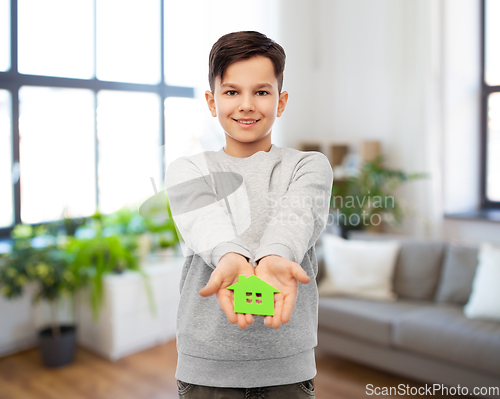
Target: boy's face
[[248, 93]]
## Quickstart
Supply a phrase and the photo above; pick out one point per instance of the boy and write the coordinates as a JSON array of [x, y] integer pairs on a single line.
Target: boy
[[249, 208]]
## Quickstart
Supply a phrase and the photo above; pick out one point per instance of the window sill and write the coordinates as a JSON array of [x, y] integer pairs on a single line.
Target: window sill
[[488, 215]]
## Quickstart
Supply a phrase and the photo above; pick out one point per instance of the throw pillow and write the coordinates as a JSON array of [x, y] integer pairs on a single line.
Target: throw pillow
[[455, 284], [484, 301], [418, 269], [362, 269], [418, 265]]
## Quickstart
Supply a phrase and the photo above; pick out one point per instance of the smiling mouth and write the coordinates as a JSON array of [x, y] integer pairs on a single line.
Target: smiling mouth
[[247, 122]]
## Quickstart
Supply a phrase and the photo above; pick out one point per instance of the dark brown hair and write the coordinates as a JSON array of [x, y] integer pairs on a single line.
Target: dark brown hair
[[237, 46]]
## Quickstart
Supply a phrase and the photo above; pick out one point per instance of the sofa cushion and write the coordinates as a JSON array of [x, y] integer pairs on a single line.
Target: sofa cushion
[[418, 267], [365, 319], [443, 332], [459, 267], [321, 262], [484, 301], [359, 268]]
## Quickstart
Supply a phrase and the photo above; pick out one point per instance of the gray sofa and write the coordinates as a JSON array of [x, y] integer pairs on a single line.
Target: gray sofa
[[424, 335]]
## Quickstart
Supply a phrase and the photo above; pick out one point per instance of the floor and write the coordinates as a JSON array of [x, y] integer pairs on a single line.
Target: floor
[[150, 375]]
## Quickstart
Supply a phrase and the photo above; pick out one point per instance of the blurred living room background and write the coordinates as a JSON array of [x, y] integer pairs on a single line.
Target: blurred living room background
[[98, 97]]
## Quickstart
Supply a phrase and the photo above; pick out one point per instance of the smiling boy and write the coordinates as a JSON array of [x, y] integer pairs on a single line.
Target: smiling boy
[[251, 208], [247, 103]]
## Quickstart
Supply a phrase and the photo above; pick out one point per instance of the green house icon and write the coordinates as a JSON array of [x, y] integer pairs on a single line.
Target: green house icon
[[253, 295]]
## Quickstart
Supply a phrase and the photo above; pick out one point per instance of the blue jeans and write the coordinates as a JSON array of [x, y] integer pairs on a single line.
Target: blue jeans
[[304, 389]]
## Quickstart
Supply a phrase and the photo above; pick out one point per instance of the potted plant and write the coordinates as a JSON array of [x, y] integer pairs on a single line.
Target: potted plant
[[60, 264], [150, 229], [50, 269], [99, 248], [365, 199]]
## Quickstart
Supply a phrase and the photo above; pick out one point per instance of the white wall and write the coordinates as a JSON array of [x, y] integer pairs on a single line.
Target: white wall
[[17, 330], [337, 69], [297, 19]]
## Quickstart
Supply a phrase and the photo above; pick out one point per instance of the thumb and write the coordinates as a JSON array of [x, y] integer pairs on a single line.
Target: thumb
[[300, 274], [213, 284]]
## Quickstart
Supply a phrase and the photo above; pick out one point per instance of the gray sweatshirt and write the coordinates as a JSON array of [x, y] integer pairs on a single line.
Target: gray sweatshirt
[[273, 202]]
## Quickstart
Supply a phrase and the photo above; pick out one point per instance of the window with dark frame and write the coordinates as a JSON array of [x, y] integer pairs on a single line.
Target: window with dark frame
[[250, 298], [490, 105], [80, 88]]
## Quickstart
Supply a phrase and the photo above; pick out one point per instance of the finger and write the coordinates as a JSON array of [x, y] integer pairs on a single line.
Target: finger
[[242, 321], [300, 274], [213, 284], [249, 318], [278, 309], [268, 321], [227, 307], [288, 306]]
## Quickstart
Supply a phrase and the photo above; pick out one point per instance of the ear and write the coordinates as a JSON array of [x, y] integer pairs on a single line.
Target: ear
[[211, 102], [282, 103]]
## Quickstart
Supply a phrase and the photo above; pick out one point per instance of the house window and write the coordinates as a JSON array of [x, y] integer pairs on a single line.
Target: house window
[[86, 89], [490, 106], [250, 298]]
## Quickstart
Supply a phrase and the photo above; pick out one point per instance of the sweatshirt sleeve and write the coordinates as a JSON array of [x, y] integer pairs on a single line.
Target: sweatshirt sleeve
[[202, 218], [302, 213]]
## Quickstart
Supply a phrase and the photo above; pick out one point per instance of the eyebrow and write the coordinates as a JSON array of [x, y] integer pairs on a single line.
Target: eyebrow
[[259, 86]]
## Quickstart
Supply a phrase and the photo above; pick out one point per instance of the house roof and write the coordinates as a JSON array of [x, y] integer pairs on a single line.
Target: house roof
[[252, 283]]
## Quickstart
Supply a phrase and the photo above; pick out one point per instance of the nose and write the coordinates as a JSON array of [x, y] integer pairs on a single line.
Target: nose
[[246, 103]]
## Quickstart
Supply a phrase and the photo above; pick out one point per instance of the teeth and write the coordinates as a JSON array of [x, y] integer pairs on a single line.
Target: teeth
[[247, 122]]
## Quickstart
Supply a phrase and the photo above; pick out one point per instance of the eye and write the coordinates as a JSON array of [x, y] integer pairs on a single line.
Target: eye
[[230, 92], [262, 91]]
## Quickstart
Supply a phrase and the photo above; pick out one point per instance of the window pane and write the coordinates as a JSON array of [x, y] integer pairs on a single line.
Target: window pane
[[186, 60], [493, 143], [4, 35], [189, 128], [492, 42], [128, 41], [6, 197], [56, 38], [129, 148], [56, 153]]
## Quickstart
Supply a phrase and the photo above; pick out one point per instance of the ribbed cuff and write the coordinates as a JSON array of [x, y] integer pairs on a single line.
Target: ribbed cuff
[[226, 247], [274, 249]]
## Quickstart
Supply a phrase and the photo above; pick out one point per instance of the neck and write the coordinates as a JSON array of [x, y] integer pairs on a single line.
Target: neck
[[239, 149]]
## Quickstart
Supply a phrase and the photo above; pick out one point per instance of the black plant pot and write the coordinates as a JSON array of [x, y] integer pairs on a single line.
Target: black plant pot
[[59, 351]]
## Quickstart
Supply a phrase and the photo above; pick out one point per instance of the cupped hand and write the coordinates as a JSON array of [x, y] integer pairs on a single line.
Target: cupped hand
[[282, 274], [230, 266]]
